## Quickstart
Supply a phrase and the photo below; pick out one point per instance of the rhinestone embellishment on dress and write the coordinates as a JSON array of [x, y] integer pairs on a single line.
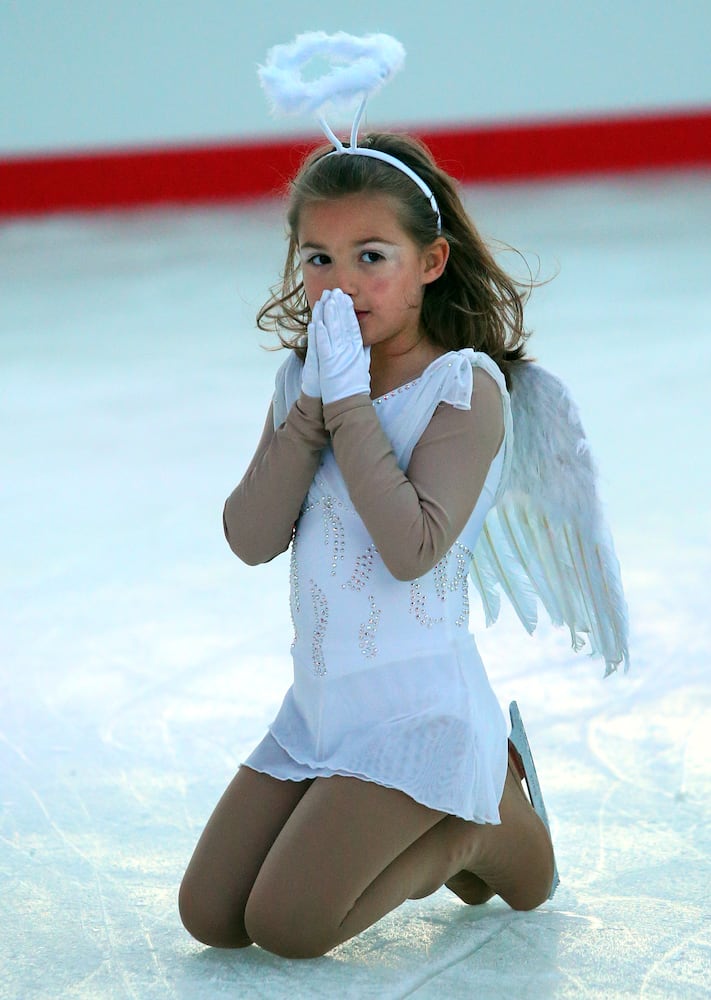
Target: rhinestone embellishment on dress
[[294, 594], [333, 531], [395, 392], [418, 602], [366, 634], [444, 586], [320, 625], [363, 569]]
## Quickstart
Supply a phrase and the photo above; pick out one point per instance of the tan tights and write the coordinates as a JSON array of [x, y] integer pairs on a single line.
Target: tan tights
[[299, 867]]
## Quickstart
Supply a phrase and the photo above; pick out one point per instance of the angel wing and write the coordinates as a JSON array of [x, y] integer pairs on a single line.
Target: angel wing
[[546, 539]]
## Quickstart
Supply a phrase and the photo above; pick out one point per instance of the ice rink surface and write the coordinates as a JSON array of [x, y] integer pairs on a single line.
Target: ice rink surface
[[140, 660]]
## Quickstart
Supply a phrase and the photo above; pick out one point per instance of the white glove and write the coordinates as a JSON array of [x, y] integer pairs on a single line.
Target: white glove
[[344, 363], [310, 381]]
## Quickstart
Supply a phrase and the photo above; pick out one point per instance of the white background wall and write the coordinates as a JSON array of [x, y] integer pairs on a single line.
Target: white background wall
[[86, 73]]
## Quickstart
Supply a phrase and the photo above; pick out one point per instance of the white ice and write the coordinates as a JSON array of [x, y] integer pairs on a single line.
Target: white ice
[[140, 660]]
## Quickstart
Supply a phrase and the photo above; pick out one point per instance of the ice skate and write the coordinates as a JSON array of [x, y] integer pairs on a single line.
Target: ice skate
[[522, 759]]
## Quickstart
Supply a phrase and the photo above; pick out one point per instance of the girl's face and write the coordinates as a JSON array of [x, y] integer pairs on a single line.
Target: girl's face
[[357, 244]]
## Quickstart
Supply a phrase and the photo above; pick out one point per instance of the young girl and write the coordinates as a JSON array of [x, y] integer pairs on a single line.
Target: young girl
[[386, 773]]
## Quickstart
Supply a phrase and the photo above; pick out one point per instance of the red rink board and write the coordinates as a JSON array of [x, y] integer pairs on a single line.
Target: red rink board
[[126, 178]]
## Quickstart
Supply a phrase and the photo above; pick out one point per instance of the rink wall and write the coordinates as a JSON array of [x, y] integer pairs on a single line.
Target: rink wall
[[119, 104]]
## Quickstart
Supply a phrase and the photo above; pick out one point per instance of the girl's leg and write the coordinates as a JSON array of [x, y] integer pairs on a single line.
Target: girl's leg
[[470, 888], [352, 851], [238, 836], [337, 866], [515, 810], [514, 859]]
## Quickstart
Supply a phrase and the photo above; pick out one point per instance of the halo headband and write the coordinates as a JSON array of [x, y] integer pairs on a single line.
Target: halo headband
[[366, 63], [355, 150]]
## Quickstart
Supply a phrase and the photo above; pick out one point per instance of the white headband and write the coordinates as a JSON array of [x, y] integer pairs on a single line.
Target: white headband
[[368, 63]]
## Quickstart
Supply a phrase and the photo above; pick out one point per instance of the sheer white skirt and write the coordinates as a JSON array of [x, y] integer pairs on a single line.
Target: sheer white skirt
[[432, 728]]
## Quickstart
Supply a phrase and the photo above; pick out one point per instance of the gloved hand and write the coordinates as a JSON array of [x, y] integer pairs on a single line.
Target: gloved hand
[[310, 381], [344, 363]]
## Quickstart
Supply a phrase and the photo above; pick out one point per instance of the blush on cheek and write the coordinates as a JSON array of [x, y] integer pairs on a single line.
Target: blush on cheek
[[379, 284]]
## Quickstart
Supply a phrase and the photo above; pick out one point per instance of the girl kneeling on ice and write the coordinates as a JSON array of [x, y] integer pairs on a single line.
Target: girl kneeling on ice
[[387, 772]]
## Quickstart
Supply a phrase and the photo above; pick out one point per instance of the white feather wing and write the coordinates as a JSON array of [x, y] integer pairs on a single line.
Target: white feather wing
[[546, 538]]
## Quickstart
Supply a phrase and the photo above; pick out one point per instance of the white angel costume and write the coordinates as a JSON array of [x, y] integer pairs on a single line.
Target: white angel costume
[[388, 683]]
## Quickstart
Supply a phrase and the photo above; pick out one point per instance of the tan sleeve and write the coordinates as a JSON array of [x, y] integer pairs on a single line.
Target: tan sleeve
[[260, 514], [414, 517]]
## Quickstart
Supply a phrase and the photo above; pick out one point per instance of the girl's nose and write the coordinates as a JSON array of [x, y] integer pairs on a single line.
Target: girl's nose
[[345, 279]]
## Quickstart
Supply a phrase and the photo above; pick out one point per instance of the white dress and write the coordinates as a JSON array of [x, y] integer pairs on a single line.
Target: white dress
[[388, 683]]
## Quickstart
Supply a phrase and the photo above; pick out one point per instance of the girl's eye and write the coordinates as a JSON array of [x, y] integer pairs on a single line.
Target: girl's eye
[[372, 256], [318, 259]]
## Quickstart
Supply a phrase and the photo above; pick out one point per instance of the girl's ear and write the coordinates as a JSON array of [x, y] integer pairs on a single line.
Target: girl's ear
[[435, 260]]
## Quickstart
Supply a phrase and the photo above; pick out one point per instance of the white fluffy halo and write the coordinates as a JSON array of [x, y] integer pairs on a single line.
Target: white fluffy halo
[[361, 66]]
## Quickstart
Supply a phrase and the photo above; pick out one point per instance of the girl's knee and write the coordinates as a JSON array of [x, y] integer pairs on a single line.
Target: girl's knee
[[207, 920], [279, 928]]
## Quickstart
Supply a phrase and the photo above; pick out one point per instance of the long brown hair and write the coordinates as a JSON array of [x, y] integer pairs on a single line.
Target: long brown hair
[[474, 303]]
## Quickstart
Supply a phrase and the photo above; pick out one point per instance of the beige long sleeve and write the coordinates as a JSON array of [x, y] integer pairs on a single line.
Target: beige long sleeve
[[414, 517], [260, 514]]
